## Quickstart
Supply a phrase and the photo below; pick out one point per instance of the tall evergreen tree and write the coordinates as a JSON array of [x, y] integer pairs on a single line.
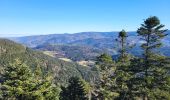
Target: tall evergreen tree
[[74, 91], [122, 72], [153, 74], [123, 45]]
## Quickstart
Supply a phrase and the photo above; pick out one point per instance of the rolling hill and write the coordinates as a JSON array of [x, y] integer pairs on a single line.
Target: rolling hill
[[73, 52], [103, 42], [62, 70]]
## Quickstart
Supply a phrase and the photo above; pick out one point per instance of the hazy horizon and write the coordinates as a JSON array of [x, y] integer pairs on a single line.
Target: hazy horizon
[[37, 17], [21, 35]]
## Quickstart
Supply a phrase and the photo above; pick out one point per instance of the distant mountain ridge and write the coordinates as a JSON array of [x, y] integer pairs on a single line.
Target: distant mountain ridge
[[104, 41], [33, 41]]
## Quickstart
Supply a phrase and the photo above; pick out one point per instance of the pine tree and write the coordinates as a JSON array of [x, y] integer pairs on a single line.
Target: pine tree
[[87, 88], [44, 87], [104, 62], [74, 91], [16, 81], [122, 72], [20, 83], [104, 87], [122, 37], [153, 74]]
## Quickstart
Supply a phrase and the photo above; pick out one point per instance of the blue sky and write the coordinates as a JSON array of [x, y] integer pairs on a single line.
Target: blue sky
[[32, 17]]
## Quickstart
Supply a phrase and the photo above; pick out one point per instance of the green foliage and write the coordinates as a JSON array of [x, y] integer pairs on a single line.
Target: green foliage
[[122, 34], [106, 66], [87, 88], [16, 78], [124, 46], [136, 78], [128, 78], [152, 68], [104, 58], [122, 73], [61, 70], [104, 61], [103, 88], [19, 83], [74, 91]]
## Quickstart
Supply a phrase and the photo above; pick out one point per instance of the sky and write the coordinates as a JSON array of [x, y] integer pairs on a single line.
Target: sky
[[39, 17]]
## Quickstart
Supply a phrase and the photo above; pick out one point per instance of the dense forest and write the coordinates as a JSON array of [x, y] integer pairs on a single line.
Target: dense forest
[[73, 52], [27, 74]]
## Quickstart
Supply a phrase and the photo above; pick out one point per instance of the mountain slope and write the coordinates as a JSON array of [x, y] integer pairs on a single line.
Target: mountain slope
[[62, 70]]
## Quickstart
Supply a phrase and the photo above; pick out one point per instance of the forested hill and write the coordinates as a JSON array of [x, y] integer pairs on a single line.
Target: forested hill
[[90, 38], [61, 70], [73, 52], [96, 39], [95, 43]]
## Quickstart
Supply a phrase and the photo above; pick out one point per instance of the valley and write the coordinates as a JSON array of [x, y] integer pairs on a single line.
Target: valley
[[84, 50], [85, 45], [11, 50]]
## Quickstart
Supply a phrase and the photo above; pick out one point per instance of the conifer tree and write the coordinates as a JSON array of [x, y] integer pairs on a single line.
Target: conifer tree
[[122, 72], [122, 37], [74, 91], [153, 74], [43, 86], [87, 88], [20, 83], [104, 87], [16, 81]]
